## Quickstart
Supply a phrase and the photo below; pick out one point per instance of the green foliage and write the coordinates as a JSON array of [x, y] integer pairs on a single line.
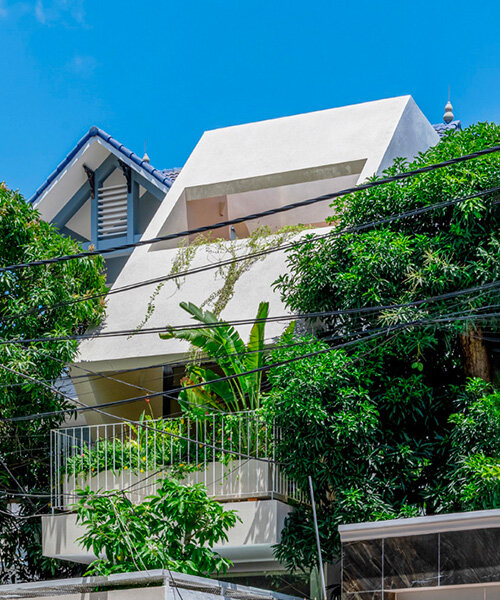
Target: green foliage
[[24, 445], [261, 239], [440, 251], [224, 345], [472, 478], [372, 424], [365, 438], [176, 528], [154, 445]]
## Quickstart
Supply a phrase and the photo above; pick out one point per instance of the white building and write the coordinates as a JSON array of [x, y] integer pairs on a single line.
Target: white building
[[105, 195]]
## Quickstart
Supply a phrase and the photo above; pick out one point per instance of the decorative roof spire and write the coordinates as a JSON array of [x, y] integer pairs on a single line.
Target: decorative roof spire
[[145, 158], [448, 110]]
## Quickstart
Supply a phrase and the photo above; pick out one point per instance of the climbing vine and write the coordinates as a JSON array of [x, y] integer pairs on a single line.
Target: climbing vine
[[185, 255], [263, 238]]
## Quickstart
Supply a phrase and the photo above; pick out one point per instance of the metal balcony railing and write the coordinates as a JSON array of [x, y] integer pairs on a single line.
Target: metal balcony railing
[[231, 454]]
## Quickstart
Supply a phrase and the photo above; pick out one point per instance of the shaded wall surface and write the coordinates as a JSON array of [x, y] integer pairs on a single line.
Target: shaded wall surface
[[374, 569]]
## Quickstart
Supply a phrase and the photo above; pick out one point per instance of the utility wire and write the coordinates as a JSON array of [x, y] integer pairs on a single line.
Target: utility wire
[[211, 358], [283, 346], [209, 445], [14, 494], [248, 321], [128, 488], [325, 339], [363, 310], [278, 248], [376, 333], [92, 375], [254, 216]]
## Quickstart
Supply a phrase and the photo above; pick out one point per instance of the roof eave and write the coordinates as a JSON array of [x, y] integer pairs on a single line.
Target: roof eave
[[95, 132]]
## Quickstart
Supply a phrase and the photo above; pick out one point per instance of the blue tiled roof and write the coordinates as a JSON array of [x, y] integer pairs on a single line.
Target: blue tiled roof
[[166, 177], [442, 128], [172, 173]]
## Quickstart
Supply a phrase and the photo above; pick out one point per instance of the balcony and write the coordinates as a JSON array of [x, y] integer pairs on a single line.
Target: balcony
[[232, 455]]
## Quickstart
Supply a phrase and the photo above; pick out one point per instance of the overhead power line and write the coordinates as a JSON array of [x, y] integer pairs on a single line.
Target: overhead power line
[[254, 216], [324, 335], [251, 321], [366, 335], [6, 493], [49, 383], [39, 310]]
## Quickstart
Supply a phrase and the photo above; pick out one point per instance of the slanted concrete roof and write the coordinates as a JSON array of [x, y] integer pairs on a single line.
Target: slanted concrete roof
[[330, 147], [289, 150]]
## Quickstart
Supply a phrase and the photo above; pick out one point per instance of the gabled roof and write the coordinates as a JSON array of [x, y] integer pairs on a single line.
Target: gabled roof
[[166, 177]]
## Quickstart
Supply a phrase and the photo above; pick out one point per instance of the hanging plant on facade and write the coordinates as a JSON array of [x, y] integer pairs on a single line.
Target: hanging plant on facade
[[260, 240]]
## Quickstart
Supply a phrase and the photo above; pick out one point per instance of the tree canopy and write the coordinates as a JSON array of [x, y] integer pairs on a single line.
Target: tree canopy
[[34, 302], [398, 424], [176, 528]]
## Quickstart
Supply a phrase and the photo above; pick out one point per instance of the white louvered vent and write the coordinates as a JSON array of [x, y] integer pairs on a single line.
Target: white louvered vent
[[112, 211]]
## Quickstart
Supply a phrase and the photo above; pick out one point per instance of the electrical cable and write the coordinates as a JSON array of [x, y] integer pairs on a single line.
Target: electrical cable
[[266, 213], [289, 207], [136, 483], [281, 247], [189, 439], [239, 322], [362, 310], [268, 349], [13, 494], [252, 371], [211, 359], [102, 375]]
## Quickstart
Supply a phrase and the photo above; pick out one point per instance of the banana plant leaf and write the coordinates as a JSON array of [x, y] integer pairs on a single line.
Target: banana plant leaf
[[223, 345]]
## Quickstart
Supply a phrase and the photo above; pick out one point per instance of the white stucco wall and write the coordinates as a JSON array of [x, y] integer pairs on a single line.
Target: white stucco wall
[[269, 154], [126, 310]]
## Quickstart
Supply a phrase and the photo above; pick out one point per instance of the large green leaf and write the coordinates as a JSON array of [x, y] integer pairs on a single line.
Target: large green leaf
[[223, 344], [254, 359], [213, 394]]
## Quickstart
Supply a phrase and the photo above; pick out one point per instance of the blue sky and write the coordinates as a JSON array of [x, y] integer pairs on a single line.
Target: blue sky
[[166, 71]]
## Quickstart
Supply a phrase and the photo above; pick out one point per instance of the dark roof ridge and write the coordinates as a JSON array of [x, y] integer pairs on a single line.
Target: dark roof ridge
[[94, 131]]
